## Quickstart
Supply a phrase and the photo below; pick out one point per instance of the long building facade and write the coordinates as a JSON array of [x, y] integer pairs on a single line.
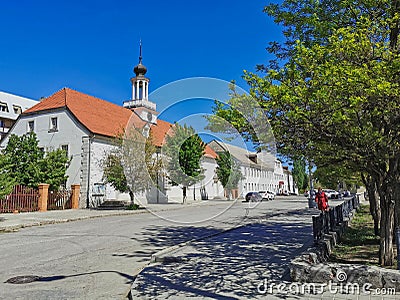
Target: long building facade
[[86, 128]]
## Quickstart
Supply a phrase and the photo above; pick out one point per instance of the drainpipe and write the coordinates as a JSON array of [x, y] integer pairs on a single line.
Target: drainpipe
[[88, 173]]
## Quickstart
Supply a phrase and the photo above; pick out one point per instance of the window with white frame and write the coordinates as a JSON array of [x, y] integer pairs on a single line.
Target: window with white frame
[[65, 148], [53, 124], [3, 107], [17, 109], [31, 126]]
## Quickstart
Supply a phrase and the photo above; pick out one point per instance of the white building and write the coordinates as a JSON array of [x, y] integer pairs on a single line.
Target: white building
[[259, 169], [11, 106], [86, 127]]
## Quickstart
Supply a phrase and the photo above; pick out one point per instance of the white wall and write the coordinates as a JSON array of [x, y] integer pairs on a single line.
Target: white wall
[[70, 133], [213, 190]]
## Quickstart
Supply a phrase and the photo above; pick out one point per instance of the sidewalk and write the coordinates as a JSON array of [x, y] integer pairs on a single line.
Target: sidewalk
[[249, 262], [10, 222]]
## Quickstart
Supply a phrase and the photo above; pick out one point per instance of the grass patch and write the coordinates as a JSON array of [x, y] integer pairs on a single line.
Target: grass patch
[[133, 206], [358, 244]]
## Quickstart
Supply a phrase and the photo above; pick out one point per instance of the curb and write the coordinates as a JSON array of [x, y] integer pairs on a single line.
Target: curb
[[15, 228]]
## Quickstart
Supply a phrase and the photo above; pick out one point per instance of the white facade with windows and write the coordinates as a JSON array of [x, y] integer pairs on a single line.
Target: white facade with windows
[[11, 106]]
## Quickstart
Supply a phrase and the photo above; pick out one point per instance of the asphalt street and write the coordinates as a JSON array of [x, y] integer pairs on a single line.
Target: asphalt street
[[96, 258]]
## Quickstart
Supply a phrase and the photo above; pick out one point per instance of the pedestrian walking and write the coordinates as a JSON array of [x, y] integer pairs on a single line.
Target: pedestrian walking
[[322, 200]]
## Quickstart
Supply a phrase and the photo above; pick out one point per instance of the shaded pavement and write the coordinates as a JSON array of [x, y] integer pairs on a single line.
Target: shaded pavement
[[249, 262], [231, 265]]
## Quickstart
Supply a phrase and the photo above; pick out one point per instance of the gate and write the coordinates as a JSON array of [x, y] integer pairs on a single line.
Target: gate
[[21, 199], [60, 199]]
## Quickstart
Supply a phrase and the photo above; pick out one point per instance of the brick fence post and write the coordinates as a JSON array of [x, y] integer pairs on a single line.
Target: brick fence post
[[75, 188], [43, 196]]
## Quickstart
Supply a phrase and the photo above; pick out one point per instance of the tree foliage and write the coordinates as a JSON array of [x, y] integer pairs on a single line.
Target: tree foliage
[[332, 92], [23, 162], [228, 171], [183, 151], [299, 173]]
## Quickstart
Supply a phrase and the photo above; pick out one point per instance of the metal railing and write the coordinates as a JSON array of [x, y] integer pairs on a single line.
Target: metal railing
[[328, 220], [59, 200], [21, 199]]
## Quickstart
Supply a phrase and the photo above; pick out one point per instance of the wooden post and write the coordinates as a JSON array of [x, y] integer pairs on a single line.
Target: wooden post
[[75, 188], [43, 196]]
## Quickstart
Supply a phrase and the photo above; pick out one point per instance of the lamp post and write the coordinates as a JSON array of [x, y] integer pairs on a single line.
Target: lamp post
[[311, 202]]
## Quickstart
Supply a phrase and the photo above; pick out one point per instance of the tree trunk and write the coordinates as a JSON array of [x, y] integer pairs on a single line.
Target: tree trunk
[[373, 199], [184, 195], [386, 254], [132, 197]]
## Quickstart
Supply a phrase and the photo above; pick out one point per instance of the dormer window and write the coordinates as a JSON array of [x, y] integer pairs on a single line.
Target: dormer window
[[53, 124], [3, 107], [17, 109]]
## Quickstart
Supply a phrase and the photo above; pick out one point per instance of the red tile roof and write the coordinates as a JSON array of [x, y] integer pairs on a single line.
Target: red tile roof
[[210, 152], [159, 132], [99, 116], [103, 117]]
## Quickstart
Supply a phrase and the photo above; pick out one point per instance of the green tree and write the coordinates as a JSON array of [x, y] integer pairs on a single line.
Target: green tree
[[300, 176], [123, 166], [228, 171], [333, 175], [7, 182], [183, 151], [332, 93], [25, 163]]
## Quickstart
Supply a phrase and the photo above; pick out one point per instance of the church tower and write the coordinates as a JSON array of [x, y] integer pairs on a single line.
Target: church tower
[[139, 102]]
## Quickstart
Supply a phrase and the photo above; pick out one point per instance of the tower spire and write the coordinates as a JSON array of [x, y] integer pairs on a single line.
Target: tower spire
[[140, 51], [140, 69], [139, 102]]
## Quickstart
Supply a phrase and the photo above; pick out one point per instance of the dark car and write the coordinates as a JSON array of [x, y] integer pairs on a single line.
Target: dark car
[[253, 197]]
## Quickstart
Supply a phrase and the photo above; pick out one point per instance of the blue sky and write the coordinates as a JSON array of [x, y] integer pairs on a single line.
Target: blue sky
[[92, 46]]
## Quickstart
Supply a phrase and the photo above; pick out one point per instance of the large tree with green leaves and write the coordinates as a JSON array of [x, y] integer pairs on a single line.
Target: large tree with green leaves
[[23, 162], [300, 176], [228, 171], [332, 92], [183, 151]]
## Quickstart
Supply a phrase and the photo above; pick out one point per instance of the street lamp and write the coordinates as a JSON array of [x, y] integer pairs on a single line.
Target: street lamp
[[311, 202]]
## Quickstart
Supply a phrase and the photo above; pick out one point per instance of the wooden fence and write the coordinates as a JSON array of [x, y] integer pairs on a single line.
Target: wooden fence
[[328, 220]]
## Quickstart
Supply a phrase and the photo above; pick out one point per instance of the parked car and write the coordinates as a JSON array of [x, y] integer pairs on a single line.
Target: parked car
[[307, 193], [267, 195], [332, 194], [253, 197]]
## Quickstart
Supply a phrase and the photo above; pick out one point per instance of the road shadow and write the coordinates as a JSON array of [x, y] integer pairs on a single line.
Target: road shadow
[[232, 265], [156, 238]]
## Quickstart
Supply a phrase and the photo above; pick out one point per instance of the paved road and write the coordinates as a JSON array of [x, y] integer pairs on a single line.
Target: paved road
[[250, 262], [95, 258]]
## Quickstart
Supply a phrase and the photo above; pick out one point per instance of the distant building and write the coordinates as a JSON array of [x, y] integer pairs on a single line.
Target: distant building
[[258, 169], [11, 106]]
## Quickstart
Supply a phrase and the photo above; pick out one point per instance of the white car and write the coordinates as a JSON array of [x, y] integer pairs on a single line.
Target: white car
[[267, 195], [332, 194]]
